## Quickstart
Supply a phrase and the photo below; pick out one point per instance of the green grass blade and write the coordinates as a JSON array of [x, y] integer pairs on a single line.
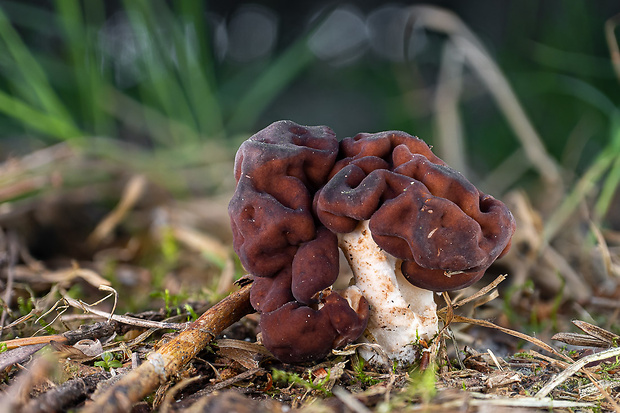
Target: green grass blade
[[35, 86], [278, 75], [162, 89], [29, 16], [81, 43], [582, 188], [612, 180], [608, 190], [30, 117], [145, 119], [196, 67]]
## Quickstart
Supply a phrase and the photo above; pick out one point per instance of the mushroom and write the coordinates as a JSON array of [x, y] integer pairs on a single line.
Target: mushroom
[[407, 223], [279, 240]]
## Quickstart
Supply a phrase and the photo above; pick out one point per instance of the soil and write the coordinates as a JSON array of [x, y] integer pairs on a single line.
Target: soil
[[103, 275]]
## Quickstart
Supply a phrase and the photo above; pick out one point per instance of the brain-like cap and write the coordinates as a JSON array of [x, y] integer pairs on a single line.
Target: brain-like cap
[[421, 211], [297, 187], [279, 240]]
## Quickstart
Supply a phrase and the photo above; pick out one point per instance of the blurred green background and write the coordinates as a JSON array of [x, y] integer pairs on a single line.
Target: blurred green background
[[174, 76]]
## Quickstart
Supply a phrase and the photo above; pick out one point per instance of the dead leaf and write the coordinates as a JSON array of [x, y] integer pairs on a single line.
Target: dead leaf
[[89, 347]]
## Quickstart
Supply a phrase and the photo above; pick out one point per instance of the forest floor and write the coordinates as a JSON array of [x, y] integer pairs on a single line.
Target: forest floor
[[101, 267]]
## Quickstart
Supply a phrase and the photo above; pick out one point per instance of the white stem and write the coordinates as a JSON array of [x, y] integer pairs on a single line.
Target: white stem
[[400, 313]]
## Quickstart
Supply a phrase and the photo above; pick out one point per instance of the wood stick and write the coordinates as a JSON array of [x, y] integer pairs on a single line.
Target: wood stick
[[95, 331], [170, 359], [62, 397]]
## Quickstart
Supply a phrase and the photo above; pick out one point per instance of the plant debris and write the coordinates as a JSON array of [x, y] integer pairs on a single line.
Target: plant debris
[[120, 296], [87, 356]]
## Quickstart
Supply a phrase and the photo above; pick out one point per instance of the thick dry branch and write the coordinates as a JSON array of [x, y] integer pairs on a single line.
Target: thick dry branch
[[173, 356]]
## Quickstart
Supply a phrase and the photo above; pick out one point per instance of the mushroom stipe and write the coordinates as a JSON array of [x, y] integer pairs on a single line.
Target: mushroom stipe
[[408, 224]]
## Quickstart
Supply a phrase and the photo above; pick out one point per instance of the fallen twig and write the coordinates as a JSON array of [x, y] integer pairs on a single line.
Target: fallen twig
[[22, 348], [67, 395], [138, 322], [97, 330], [174, 355]]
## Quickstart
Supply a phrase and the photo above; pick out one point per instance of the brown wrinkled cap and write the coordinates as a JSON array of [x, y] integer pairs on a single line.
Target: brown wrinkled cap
[[444, 229], [277, 172], [295, 333], [279, 240], [314, 268], [269, 293]]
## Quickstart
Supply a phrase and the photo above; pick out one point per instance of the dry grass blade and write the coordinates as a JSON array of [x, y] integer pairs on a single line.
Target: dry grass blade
[[551, 360], [168, 361], [448, 124], [495, 360], [201, 242], [487, 299], [592, 391], [578, 339], [602, 390], [527, 402], [230, 381], [594, 336], [447, 313], [480, 293], [138, 322], [595, 331], [574, 368], [132, 193], [434, 18], [603, 248], [70, 274], [488, 324]]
